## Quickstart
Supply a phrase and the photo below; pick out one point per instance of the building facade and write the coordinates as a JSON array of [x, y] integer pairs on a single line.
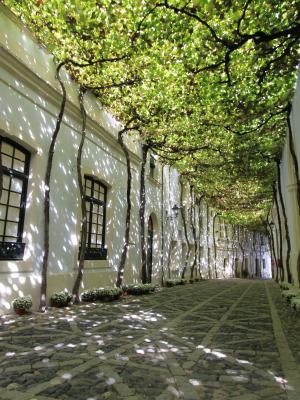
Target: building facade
[[285, 218], [182, 231]]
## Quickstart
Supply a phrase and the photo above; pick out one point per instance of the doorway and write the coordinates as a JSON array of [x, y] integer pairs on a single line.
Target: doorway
[[150, 249]]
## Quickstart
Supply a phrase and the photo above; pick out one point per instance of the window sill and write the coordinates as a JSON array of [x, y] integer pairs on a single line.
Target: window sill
[[153, 181], [12, 251], [95, 254]]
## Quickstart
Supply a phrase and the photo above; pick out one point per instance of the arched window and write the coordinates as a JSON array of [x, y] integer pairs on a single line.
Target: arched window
[[15, 168], [95, 197]]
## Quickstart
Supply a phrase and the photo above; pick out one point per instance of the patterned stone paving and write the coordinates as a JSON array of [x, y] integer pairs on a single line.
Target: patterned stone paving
[[213, 340]]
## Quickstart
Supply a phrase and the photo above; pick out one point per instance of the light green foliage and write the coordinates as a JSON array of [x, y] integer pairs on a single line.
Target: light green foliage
[[206, 83]]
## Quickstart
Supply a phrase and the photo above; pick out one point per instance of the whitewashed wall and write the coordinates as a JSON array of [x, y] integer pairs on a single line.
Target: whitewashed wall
[[289, 192]]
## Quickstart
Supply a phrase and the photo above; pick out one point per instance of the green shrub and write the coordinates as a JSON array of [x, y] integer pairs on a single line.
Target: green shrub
[[22, 304], [286, 286], [61, 299], [175, 282], [182, 281], [139, 289], [89, 295], [170, 282], [295, 302], [289, 294], [101, 294], [108, 293]]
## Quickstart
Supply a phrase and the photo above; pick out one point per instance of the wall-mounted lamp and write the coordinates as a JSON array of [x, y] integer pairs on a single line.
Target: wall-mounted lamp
[[175, 211]]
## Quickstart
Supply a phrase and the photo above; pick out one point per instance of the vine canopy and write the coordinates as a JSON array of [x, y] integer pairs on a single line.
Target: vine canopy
[[206, 83]]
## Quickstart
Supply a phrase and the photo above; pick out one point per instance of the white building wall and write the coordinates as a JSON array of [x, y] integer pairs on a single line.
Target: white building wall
[[289, 192]]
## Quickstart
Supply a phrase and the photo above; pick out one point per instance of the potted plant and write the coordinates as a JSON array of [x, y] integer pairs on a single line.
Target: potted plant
[[22, 304], [108, 294], [61, 299], [170, 282], [140, 288], [116, 293], [89, 295], [101, 294], [125, 290]]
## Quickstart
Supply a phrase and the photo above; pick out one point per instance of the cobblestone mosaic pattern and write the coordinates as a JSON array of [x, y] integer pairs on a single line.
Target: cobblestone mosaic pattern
[[213, 340]]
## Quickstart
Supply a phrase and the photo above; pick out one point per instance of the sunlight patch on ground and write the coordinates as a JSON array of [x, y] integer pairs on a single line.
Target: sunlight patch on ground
[[195, 382]]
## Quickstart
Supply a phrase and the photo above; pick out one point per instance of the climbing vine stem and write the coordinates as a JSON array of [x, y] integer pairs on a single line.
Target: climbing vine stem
[[47, 184]]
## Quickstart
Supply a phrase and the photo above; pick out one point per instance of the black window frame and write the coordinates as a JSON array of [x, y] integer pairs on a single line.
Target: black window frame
[[92, 251], [14, 250]]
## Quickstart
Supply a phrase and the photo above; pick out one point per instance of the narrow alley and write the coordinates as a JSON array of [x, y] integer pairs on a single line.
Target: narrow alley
[[210, 340]]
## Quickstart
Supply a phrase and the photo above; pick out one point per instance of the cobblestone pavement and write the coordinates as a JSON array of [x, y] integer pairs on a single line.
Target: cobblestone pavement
[[211, 340]]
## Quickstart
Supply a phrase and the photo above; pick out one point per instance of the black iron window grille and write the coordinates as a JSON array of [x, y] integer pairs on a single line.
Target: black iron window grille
[[95, 197], [152, 166], [14, 163]]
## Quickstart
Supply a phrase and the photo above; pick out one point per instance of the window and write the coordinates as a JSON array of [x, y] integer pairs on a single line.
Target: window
[[15, 166], [152, 166], [95, 196], [225, 263]]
